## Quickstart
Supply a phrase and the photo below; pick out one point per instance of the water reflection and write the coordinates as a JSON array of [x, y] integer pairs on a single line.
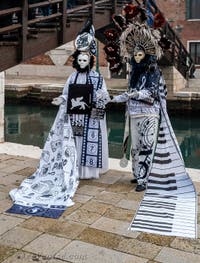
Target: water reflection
[[31, 124]]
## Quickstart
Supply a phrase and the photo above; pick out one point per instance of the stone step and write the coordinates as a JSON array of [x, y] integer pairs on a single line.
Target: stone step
[[194, 83]]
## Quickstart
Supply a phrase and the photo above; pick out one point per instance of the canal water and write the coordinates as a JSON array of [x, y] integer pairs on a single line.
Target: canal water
[[30, 125]]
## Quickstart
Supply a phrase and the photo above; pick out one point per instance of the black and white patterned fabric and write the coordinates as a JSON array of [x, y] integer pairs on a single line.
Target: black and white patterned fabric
[[169, 203], [90, 132], [49, 191], [143, 139]]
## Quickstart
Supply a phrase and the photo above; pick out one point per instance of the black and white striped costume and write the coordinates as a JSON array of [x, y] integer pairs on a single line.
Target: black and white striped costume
[[169, 203]]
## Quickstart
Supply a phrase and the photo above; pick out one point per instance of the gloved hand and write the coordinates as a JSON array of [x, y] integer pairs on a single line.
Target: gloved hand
[[132, 95], [102, 98], [57, 101]]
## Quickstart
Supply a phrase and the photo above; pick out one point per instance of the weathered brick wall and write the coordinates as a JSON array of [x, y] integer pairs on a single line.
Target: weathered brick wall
[[175, 11]]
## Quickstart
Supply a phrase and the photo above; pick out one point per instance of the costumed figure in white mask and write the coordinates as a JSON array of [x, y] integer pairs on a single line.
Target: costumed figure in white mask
[[157, 164], [85, 97], [140, 48], [76, 147]]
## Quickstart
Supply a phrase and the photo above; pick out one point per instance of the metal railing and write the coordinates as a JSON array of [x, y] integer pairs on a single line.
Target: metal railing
[[177, 55]]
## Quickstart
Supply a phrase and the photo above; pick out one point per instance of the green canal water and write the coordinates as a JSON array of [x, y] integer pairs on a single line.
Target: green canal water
[[30, 124]]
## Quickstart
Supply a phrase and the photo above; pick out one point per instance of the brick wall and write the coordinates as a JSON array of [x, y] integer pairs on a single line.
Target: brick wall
[[175, 12]]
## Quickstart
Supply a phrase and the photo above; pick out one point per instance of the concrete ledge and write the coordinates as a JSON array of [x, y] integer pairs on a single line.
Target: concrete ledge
[[183, 94]]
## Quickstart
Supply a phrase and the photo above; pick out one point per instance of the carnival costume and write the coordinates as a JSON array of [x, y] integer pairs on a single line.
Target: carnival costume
[[73, 149], [169, 203]]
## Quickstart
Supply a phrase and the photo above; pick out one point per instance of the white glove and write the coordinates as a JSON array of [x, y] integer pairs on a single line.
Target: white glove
[[133, 94], [57, 101], [102, 98]]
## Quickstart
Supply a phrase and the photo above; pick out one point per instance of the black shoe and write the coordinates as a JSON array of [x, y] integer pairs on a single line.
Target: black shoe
[[134, 181], [140, 187]]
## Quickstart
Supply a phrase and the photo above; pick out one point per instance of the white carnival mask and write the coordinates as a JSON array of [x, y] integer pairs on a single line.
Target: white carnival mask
[[83, 60], [139, 56]]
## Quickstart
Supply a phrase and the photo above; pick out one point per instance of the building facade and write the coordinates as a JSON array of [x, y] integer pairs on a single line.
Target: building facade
[[184, 17]]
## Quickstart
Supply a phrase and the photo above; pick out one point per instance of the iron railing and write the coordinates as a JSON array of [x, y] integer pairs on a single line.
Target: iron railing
[[177, 55]]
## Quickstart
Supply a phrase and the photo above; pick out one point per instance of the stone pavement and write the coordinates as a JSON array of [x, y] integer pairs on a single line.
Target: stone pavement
[[94, 230]]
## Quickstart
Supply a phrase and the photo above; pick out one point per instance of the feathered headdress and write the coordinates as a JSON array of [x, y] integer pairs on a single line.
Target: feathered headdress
[[131, 30], [140, 35]]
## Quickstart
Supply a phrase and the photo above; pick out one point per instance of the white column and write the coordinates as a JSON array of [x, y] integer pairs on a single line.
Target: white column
[[2, 102]]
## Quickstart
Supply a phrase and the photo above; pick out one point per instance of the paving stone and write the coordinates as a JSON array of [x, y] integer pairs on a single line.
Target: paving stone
[[89, 190], [12, 167], [83, 216], [152, 261], [13, 179], [28, 171], [119, 187], [97, 207], [109, 197], [46, 245], [3, 196], [159, 240], [100, 238], [70, 210], [197, 187], [167, 255], [114, 226], [5, 205], [128, 204], [4, 157], [93, 182], [188, 245], [198, 218], [6, 251], [40, 224], [17, 215], [66, 229], [6, 163], [81, 198], [126, 178], [108, 209], [138, 248], [110, 178], [7, 187], [80, 252], [8, 222], [18, 237], [120, 214], [2, 174], [31, 163], [133, 195], [24, 257]]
